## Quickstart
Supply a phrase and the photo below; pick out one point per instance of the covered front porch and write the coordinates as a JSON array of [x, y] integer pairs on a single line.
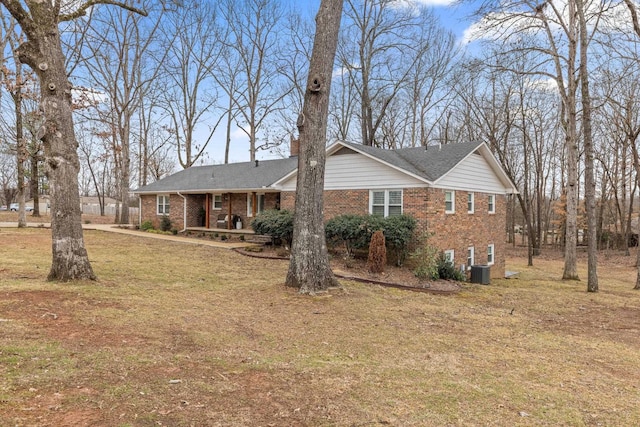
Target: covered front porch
[[228, 211]]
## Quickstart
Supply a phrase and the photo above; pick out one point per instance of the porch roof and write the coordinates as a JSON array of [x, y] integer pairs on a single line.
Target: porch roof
[[247, 176]]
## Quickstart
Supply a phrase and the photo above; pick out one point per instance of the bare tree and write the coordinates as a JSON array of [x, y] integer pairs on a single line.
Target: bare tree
[[383, 42], [121, 65], [551, 31], [42, 51], [253, 40], [590, 185], [194, 48], [15, 83], [309, 269]]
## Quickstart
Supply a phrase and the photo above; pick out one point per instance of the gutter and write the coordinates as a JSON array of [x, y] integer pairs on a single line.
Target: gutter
[[184, 213]]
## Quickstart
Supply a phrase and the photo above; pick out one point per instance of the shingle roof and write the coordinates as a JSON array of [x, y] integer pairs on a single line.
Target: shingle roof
[[233, 176], [430, 163]]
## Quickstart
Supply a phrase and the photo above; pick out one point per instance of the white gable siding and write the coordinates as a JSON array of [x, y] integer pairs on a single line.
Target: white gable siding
[[472, 174], [355, 171]]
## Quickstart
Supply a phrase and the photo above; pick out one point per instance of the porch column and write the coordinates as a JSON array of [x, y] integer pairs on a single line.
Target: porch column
[[254, 202], [207, 210], [229, 222]]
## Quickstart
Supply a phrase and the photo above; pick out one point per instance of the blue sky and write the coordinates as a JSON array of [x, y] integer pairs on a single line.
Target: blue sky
[[456, 18]]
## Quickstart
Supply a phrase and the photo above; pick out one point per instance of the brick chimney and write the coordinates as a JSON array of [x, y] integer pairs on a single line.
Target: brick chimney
[[294, 146]]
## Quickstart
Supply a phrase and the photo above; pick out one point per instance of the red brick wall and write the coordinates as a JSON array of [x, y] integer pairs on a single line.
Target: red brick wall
[[195, 202], [149, 210], [456, 231], [461, 230]]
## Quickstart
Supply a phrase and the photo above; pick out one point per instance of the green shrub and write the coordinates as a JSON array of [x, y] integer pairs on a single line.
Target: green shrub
[[426, 260], [174, 231], [223, 237], [355, 231], [447, 270], [399, 233], [165, 223], [349, 230], [275, 223], [146, 226], [241, 237]]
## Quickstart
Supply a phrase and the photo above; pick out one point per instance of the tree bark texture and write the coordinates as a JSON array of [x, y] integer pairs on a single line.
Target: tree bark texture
[[43, 53], [571, 144], [309, 268], [21, 149], [589, 180]]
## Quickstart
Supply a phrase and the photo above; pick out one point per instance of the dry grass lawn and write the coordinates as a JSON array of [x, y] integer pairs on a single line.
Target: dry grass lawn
[[183, 335]]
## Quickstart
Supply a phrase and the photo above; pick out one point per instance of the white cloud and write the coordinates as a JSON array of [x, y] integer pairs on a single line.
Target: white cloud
[[84, 97], [543, 85], [240, 133], [435, 2], [413, 3], [512, 21]]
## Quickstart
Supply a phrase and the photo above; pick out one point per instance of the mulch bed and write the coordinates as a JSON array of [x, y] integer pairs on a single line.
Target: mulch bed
[[355, 269]]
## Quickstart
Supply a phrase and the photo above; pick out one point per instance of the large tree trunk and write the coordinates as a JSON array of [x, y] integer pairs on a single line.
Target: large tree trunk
[[43, 53], [590, 184], [571, 144], [33, 182], [21, 149], [309, 268]]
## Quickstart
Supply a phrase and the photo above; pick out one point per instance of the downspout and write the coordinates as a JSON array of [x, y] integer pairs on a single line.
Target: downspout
[[184, 213], [139, 210]]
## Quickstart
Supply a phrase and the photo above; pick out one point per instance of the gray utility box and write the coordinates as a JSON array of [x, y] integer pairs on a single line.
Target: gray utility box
[[480, 274]]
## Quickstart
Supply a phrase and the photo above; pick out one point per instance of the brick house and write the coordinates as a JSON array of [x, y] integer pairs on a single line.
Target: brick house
[[457, 192]]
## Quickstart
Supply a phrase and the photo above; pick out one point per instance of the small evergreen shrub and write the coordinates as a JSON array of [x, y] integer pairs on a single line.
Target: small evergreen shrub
[[146, 226], [349, 230], [447, 270], [241, 237], [399, 233], [174, 231], [426, 260], [223, 237], [377, 253], [355, 231], [275, 223], [165, 223]]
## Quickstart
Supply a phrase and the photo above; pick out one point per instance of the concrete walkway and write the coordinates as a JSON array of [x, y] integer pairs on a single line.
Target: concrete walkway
[[111, 228]]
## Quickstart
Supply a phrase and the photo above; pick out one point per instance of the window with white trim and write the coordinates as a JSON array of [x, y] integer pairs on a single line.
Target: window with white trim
[[492, 204], [449, 255], [490, 254], [385, 202], [259, 204], [162, 205], [470, 256], [470, 203], [216, 202], [449, 202]]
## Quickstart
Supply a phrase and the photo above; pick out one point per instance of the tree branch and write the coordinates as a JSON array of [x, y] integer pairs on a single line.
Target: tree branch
[[634, 16], [19, 14], [81, 11]]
